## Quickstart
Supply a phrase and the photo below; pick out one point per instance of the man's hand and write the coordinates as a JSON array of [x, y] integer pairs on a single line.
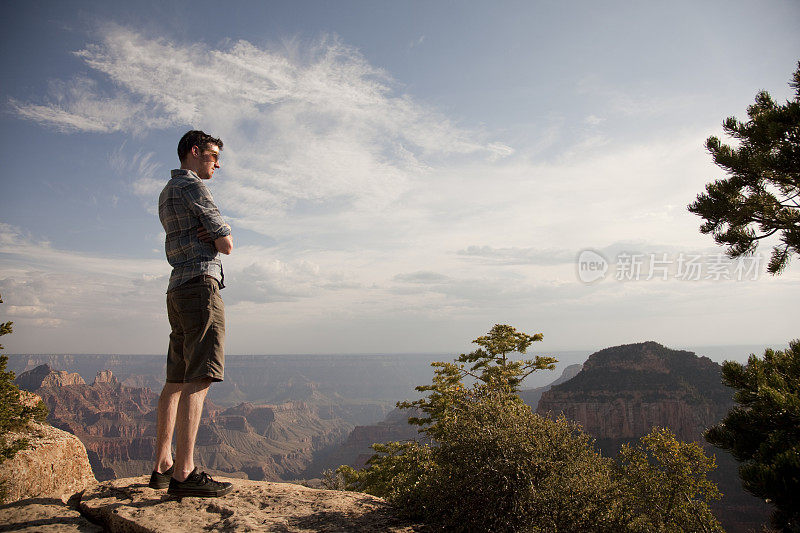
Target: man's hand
[[224, 245], [204, 236]]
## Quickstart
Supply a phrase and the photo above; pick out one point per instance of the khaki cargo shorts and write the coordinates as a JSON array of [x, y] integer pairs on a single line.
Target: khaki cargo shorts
[[197, 342]]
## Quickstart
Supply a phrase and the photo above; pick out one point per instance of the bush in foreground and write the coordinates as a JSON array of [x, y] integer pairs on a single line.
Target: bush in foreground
[[494, 465]]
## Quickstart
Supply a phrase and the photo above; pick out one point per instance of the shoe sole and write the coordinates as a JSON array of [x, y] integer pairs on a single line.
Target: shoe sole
[[199, 493], [158, 485]]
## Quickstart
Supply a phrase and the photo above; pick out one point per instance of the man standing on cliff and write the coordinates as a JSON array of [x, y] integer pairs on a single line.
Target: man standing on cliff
[[196, 234]]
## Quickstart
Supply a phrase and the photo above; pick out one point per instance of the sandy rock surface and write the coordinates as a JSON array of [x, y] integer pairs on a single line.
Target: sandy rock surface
[[54, 466], [129, 505], [43, 514]]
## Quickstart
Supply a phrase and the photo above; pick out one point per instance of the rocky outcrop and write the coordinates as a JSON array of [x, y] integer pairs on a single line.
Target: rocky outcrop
[[622, 392], [54, 465], [44, 376], [129, 505], [105, 376]]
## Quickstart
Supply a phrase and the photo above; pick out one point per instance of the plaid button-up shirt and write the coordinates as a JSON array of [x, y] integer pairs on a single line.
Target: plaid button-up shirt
[[184, 205]]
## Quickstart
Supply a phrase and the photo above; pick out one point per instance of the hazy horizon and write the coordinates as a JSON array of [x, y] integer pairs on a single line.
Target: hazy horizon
[[717, 353]]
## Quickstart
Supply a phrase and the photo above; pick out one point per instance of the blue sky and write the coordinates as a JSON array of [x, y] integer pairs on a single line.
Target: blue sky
[[399, 176]]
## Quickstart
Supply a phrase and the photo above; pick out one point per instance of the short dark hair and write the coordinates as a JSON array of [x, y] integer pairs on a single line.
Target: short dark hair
[[197, 138]]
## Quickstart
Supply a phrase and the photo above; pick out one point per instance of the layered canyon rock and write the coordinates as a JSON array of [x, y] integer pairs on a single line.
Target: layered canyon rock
[[105, 376], [44, 376], [267, 442], [622, 392], [116, 423], [357, 448], [362, 389]]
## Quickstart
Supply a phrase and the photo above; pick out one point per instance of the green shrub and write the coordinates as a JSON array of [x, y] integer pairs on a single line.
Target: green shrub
[[663, 485], [496, 466], [504, 468]]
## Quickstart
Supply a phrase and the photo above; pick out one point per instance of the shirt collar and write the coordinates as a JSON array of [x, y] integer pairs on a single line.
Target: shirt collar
[[183, 173]]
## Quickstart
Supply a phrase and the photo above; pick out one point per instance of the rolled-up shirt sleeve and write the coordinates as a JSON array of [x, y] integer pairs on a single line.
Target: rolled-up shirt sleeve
[[200, 203]]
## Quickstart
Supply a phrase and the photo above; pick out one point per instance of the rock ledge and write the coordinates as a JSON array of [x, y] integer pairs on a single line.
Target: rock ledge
[[130, 505]]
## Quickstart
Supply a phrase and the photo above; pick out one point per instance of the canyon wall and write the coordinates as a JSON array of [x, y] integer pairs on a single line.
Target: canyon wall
[[116, 424]]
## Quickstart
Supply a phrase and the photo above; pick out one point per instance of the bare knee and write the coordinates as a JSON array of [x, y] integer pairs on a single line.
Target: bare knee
[[196, 385], [171, 388]]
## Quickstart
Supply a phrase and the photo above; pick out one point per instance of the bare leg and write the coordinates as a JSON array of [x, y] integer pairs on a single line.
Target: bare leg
[[167, 409], [190, 407]]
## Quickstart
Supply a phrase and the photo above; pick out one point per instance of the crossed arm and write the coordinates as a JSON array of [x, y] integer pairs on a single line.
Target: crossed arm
[[224, 245]]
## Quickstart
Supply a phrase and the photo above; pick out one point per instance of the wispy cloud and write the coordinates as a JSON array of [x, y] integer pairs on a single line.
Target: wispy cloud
[[148, 173], [416, 43], [303, 122], [519, 256]]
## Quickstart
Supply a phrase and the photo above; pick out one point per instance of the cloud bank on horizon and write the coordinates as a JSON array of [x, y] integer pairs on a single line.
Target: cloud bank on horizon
[[377, 222]]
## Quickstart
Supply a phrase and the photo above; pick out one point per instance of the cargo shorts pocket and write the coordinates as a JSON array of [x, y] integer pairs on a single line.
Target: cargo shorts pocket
[[190, 309]]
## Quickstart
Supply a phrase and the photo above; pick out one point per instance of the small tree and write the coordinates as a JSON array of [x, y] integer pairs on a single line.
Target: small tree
[[763, 430], [761, 196], [664, 485], [490, 365], [14, 415]]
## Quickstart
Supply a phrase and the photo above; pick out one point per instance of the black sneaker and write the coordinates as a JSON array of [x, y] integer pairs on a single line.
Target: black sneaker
[[160, 481], [198, 484]]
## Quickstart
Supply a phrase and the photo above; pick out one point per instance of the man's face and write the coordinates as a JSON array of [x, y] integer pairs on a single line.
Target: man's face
[[208, 161]]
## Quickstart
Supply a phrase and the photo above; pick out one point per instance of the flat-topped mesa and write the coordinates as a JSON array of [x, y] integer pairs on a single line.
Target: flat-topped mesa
[[623, 391], [105, 376], [44, 376]]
